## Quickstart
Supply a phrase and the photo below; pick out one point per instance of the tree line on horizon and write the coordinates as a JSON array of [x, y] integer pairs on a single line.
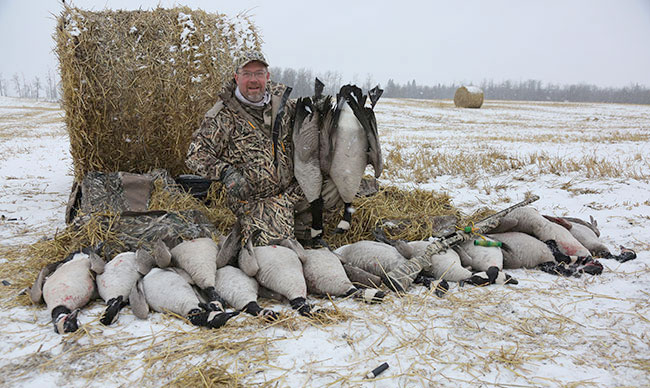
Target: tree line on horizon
[[36, 88], [302, 82]]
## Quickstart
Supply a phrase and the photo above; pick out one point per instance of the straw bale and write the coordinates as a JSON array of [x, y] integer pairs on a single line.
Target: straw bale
[[136, 84], [468, 97]]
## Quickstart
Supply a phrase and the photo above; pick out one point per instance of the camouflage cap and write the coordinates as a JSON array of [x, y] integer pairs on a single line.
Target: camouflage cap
[[250, 56]]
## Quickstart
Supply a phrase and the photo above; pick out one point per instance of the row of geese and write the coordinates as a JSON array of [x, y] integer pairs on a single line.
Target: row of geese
[[199, 278]]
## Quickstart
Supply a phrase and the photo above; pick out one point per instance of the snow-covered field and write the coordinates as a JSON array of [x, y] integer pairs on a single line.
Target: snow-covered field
[[581, 159]]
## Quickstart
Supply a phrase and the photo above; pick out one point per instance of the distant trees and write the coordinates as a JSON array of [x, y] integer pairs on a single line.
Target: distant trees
[[33, 88], [3, 86], [302, 82]]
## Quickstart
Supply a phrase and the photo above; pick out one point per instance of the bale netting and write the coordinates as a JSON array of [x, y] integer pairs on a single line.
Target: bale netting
[[136, 84], [468, 97]]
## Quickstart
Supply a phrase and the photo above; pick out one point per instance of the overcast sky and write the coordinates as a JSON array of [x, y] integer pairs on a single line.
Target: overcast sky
[[601, 42]]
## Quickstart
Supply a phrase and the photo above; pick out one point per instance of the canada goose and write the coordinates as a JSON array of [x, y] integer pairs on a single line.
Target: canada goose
[[445, 265], [528, 220], [279, 269], [198, 258], [521, 250], [67, 286], [325, 275], [380, 258], [240, 291], [589, 236], [354, 145], [479, 258], [117, 282], [307, 165], [168, 290]]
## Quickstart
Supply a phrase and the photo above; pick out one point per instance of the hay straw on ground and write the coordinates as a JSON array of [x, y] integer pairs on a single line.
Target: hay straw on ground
[[413, 212], [136, 84]]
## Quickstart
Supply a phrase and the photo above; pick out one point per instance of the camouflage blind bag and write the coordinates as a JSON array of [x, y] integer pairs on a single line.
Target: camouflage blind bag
[[119, 201], [114, 192]]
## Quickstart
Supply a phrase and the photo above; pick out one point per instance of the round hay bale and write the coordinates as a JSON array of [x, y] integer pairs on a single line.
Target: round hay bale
[[136, 84], [468, 97]]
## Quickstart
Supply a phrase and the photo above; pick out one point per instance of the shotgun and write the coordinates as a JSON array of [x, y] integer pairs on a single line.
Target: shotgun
[[400, 278]]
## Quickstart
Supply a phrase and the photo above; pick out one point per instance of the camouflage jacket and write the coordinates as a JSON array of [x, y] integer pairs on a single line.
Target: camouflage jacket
[[261, 151]]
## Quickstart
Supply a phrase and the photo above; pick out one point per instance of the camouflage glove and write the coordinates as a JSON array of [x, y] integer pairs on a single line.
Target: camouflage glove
[[235, 183]]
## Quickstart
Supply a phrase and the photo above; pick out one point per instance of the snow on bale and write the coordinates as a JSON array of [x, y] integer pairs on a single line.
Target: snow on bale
[[468, 97], [136, 84]]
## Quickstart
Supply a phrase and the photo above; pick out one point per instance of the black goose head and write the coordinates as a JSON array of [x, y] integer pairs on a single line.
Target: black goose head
[[66, 322]]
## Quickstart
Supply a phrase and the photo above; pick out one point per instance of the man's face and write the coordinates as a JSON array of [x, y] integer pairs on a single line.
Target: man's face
[[251, 81]]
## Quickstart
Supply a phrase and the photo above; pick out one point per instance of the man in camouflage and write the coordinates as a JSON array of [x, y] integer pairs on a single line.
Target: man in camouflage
[[245, 142]]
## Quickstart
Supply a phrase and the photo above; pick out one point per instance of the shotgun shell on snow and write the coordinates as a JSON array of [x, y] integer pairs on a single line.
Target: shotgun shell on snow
[[377, 371]]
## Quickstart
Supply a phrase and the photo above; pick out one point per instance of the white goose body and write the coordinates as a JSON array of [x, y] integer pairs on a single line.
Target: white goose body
[[325, 275], [589, 238], [119, 277], [166, 290], [235, 287], [375, 257], [275, 267], [445, 265], [198, 258], [528, 220], [479, 258], [523, 250], [350, 156], [306, 139], [71, 285]]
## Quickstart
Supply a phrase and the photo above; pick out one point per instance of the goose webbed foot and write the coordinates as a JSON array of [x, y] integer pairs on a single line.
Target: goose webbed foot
[[440, 287], [316, 243], [208, 318], [368, 295], [625, 255], [560, 269], [589, 265], [255, 310], [305, 309], [110, 314]]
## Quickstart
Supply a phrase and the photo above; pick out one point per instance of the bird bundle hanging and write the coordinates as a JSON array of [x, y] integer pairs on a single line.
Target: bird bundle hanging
[[136, 84]]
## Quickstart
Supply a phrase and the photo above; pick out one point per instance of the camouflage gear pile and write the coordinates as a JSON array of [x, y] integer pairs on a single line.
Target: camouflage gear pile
[[133, 230], [257, 143], [118, 203], [115, 192]]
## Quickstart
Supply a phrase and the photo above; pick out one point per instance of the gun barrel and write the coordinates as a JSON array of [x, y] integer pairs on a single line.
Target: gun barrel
[[400, 278]]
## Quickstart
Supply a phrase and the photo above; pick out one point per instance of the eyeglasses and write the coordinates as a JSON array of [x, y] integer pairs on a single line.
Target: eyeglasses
[[248, 75]]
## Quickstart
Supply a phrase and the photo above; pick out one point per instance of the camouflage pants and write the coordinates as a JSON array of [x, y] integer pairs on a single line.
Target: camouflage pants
[[282, 216]]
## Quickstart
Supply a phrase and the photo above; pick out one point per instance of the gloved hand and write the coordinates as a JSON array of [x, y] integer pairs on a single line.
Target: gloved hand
[[235, 183]]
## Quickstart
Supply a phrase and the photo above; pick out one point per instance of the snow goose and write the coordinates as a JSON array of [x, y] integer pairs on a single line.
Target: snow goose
[[528, 220]]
